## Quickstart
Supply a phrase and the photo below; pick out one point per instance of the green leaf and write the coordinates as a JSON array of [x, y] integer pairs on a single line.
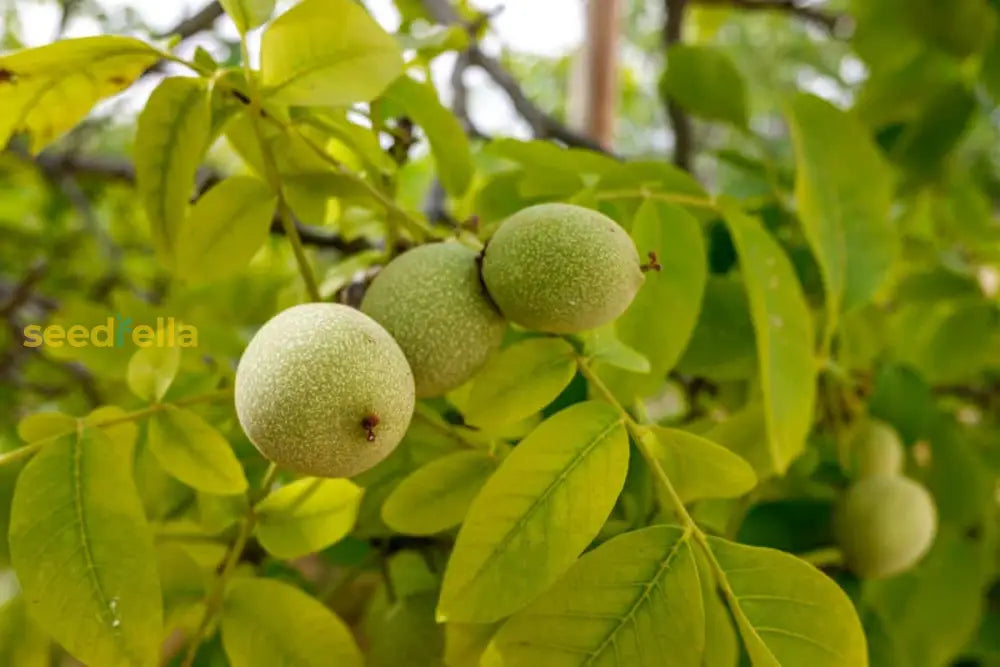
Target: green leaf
[[520, 381], [83, 552], [705, 81], [327, 53], [603, 345], [961, 343], [541, 508], [942, 123], [541, 157], [449, 143], [49, 89], [45, 425], [151, 370], [788, 612], [248, 14], [188, 448], [722, 647], [723, 345], [171, 138], [436, 497], [675, 236], [464, 643], [226, 227], [699, 468], [783, 326], [307, 516], [22, 644], [632, 602], [267, 623], [843, 190]]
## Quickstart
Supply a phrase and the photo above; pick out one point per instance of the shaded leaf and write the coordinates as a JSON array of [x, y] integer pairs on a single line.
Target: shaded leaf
[[705, 81], [449, 143], [171, 138], [22, 644], [541, 508]]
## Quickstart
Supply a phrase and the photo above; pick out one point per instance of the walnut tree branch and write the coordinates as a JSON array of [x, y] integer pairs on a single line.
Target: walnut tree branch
[[198, 22], [543, 124], [680, 122]]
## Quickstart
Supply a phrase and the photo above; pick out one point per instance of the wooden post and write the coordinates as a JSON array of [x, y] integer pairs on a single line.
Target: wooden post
[[601, 107]]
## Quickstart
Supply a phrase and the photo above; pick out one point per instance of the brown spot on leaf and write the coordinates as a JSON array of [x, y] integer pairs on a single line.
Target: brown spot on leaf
[[7, 76], [118, 81]]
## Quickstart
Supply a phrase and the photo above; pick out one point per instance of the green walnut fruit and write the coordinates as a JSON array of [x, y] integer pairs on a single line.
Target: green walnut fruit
[[885, 525], [876, 450], [432, 301], [323, 390], [561, 268]]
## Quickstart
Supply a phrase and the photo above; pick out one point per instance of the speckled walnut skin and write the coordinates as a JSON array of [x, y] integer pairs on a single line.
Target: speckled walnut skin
[[324, 390], [432, 301], [561, 268]]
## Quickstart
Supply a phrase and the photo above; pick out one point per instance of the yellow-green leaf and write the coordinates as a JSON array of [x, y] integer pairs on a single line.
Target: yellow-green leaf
[[788, 612], [327, 53], [49, 89], [843, 191], [699, 468], [635, 601], [22, 644], [520, 381], [437, 496], [706, 82], [307, 516], [722, 647], [151, 370], [83, 552], [226, 227], [449, 143], [541, 508], [171, 138], [188, 448], [43, 425], [267, 623], [783, 325], [248, 14]]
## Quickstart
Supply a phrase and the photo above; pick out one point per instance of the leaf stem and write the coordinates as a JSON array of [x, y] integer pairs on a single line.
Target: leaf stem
[[32, 448], [213, 603], [274, 178]]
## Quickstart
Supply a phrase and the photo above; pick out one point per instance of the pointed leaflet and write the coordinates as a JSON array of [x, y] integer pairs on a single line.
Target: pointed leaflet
[[226, 227], [248, 14], [541, 508], [675, 236], [49, 89], [151, 370], [171, 138], [699, 468], [327, 53], [267, 623], [635, 601], [788, 612], [191, 450], [843, 190], [520, 381], [705, 81], [307, 516], [83, 552], [783, 325], [436, 497], [449, 143]]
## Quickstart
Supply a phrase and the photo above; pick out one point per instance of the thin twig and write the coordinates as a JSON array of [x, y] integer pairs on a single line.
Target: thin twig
[[673, 28], [829, 22]]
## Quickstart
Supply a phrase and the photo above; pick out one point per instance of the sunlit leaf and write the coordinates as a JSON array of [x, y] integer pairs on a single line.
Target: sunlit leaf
[[327, 53], [248, 14], [83, 552], [535, 515], [307, 516], [151, 370], [195, 453], [699, 468]]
